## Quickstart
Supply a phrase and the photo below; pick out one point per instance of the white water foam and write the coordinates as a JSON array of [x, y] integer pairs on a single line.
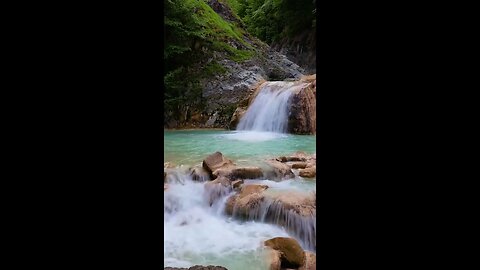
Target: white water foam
[[254, 136], [269, 110], [197, 233]]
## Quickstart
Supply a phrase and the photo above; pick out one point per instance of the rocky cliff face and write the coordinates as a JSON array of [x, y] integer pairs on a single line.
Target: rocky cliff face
[[224, 91], [302, 117], [300, 49]]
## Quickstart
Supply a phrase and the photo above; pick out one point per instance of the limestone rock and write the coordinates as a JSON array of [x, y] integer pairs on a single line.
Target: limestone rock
[[299, 165], [308, 172], [281, 170], [292, 254], [248, 197], [214, 162], [199, 174], [310, 261], [302, 117], [273, 259], [239, 173], [237, 184]]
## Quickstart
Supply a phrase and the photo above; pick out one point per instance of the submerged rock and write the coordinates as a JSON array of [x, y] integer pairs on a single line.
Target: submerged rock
[[291, 253]]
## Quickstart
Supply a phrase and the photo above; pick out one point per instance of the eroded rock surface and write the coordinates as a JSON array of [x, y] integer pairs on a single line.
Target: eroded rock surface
[[291, 253], [302, 117]]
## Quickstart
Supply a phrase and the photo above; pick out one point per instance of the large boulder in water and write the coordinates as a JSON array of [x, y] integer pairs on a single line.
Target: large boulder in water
[[291, 253], [280, 170], [218, 165], [310, 261], [216, 161], [273, 259], [246, 199], [217, 188], [302, 117], [199, 174], [239, 172], [309, 172], [295, 211]]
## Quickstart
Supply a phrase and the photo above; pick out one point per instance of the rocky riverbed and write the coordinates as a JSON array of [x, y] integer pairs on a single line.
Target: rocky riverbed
[[247, 194]]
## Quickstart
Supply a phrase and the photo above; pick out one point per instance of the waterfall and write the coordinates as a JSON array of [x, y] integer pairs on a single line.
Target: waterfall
[[273, 211], [269, 111]]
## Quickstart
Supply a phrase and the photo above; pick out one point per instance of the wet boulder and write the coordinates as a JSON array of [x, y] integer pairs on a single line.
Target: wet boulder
[[308, 172], [237, 115], [273, 259], [199, 174], [291, 253], [216, 161], [280, 170], [240, 172], [299, 165], [217, 188], [237, 184], [298, 203], [302, 117], [248, 197], [310, 261]]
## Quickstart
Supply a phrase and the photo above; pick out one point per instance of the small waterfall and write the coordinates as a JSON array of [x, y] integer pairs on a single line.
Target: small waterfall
[[197, 232], [269, 111], [271, 210]]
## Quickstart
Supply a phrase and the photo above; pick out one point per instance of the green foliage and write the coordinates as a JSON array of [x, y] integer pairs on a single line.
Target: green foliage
[[271, 20], [192, 32], [214, 68]]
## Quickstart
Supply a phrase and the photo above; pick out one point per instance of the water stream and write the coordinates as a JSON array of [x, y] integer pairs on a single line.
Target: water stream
[[196, 233], [197, 230]]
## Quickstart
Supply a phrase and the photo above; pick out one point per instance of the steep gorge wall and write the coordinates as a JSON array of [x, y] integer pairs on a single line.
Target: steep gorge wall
[[233, 79], [301, 49]]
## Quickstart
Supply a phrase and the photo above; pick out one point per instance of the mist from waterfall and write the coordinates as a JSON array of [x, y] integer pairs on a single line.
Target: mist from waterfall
[[269, 111]]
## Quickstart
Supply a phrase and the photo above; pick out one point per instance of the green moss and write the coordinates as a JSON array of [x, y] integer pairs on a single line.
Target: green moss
[[214, 68], [233, 53]]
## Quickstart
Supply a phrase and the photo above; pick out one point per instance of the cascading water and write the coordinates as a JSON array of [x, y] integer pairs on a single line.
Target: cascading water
[[269, 111], [197, 230]]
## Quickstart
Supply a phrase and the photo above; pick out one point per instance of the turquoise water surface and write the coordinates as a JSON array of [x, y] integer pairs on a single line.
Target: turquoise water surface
[[198, 233], [190, 147]]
